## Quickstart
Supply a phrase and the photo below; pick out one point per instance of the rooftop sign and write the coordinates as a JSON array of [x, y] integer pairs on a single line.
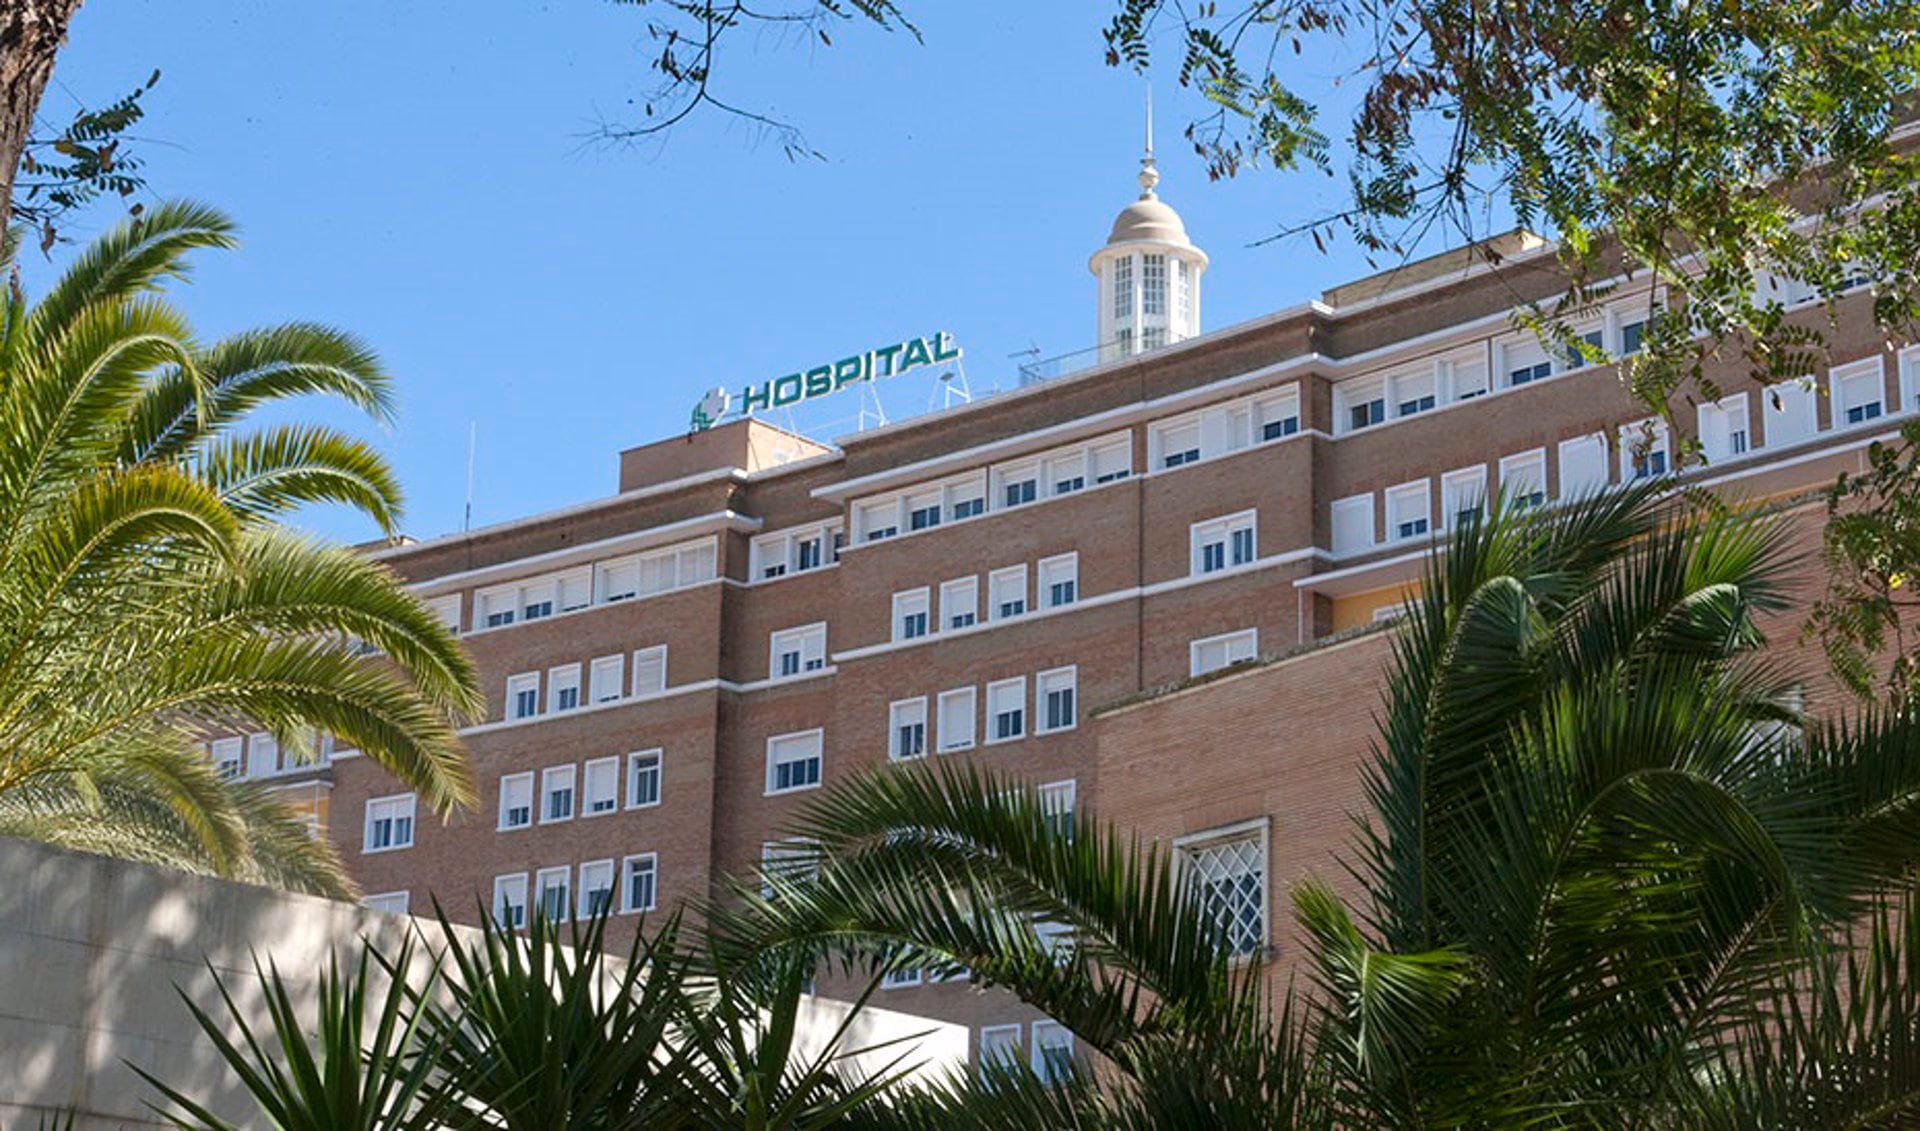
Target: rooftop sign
[[806, 384]]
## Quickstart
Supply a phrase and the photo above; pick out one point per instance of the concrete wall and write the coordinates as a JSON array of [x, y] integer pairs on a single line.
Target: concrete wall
[[92, 950]]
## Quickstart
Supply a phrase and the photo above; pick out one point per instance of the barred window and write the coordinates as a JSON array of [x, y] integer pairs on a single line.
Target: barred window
[[1229, 870]]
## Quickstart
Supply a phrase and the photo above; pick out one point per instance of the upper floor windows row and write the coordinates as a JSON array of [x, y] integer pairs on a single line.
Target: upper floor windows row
[[1223, 429], [1055, 584], [999, 487], [554, 891], [594, 792], [606, 684], [797, 550], [618, 579], [955, 714]]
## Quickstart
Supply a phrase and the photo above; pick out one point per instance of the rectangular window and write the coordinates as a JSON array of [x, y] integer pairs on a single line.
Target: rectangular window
[[1059, 579], [556, 794], [1056, 801], [263, 756], [877, 520], [563, 688], [537, 601], [1633, 335], [1056, 695], [1007, 592], [617, 581], [960, 602], [650, 670], [1523, 478], [792, 551], [523, 695], [640, 882], [907, 728], [446, 610], [510, 901], [957, 714], [1643, 450], [576, 590], [495, 608], [605, 677], [1221, 543], [1179, 444], [1414, 393], [1065, 474], [900, 979], [1276, 416], [1583, 465], [389, 823], [1153, 284], [226, 756], [1859, 392], [797, 651], [793, 761], [1465, 375], [1526, 361], [1366, 405], [601, 790], [794, 861], [1052, 1051], [1229, 871], [643, 778], [1409, 510], [553, 893], [1123, 287], [924, 511], [1212, 653], [1788, 411], [516, 801], [1007, 710], [1909, 378], [1352, 522], [1723, 428], [999, 1044], [1463, 493], [1112, 461], [1019, 483], [596, 888], [911, 611]]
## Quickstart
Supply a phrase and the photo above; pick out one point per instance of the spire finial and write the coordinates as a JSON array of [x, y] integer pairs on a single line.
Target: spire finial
[[1149, 176]]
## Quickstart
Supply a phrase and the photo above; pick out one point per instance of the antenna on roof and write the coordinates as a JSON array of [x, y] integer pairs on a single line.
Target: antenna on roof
[[473, 438]]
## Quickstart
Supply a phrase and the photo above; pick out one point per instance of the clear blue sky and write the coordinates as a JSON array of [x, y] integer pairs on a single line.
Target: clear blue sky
[[415, 173]]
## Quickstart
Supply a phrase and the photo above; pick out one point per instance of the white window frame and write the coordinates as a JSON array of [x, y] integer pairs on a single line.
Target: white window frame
[[1225, 532], [809, 641], [652, 658], [542, 884], [960, 591], [1584, 466], [1040, 1032], [607, 678], [583, 889], [635, 761], [508, 782], [1409, 504], [519, 684], [971, 696], [1358, 509], [388, 902], [228, 752], [1000, 687], [560, 679], [1909, 363], [1796, 417], [1245, 640], [504, 888], [1718, 422], [1060, 569], [609, 768], [1178, 439], [1869, 374], [1047, 683], [818, 756], [1277, 411], [1363, 393], [627, 904], [1008, 1049], [1462, 485], [406, 807], [1008, 576], [911, 603], [1631, 438], [902, 714], [550, 777], [776, 854], [1519, 466], [1257, 830], [446, 610]]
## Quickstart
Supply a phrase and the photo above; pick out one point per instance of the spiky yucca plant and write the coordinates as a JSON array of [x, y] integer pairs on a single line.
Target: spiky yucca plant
[[148, 598]]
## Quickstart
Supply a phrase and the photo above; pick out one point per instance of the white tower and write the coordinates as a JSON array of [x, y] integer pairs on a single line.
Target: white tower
[[1149, 272]]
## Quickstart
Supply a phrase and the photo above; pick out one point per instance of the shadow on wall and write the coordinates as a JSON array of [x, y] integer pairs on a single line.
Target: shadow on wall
[[92, 950]]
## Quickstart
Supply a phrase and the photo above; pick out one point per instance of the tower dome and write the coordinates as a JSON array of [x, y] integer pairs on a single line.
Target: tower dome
[[1148, 271]]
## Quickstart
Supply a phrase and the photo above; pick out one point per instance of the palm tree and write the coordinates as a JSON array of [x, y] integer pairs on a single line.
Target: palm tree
[[1611, 877], [149, 598]]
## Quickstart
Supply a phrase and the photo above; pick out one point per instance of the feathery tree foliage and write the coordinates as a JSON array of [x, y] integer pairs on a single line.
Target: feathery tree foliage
[[1612, 877], [148, 596]]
